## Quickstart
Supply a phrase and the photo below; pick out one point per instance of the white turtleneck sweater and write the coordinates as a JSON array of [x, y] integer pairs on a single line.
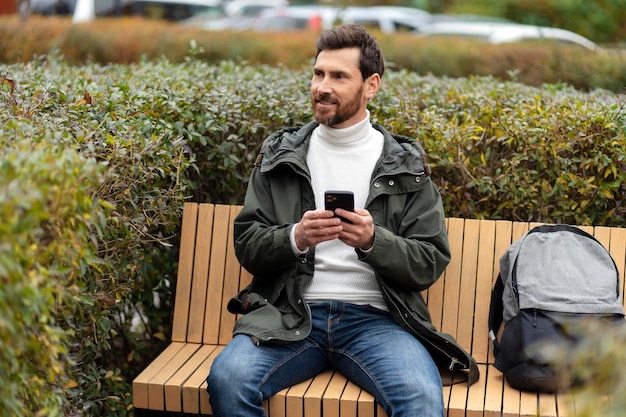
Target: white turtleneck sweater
[[343, 159]]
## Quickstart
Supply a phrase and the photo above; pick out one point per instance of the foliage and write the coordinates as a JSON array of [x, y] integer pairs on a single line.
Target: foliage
[[122, 272], [132, 40], [96, 161], [593, 361], [47, 214], [504, 150]]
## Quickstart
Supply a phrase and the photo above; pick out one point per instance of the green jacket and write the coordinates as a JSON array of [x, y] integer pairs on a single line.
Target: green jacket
[[410, 249]]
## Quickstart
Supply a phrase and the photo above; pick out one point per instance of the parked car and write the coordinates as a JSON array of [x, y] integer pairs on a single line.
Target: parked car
[[175, 10], [296, 18], [497, 32], [237, 15], [388, 19], [50, 7]]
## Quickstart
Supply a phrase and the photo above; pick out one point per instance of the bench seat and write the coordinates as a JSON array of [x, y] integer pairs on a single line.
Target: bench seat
[[209, 275]]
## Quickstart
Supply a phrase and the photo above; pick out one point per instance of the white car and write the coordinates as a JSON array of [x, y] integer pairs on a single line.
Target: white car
[[388, 19], [495, 32]]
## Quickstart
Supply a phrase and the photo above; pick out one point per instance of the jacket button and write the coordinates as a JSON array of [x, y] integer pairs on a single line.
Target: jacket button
[[376, 185], [391, 182], [297, 332], [417, 179]]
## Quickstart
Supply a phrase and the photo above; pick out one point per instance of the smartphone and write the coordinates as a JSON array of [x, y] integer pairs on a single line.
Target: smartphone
[[339, 199]]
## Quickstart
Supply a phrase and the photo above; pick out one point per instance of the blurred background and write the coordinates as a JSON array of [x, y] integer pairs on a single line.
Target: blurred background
[[579, 22]]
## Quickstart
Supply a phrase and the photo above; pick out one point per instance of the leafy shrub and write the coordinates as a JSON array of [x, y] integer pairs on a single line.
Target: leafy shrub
[[107, 117], [47, 216]]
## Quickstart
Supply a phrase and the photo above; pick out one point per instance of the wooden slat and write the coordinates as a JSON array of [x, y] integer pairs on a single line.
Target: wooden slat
[[547, 405], [484, 285], [528, 403], [294, 402], [215, 287], [200, 273], [349, 400], [332, 395], [467, 285], [434, 295], [185, 270], [503, 239], [455, 399], [476, 394], [367, 405], [493, 392], [277, 404], [156, 389], [617, 248], [174, 393], [143, 380], [231, 282], [510, 401], [456, 228], [313, 396]]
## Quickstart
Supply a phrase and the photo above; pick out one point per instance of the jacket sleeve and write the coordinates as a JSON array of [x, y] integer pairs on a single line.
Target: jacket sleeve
[[414, 255], [261, 239]]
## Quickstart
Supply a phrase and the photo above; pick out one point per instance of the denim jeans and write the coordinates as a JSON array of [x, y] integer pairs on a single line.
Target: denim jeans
[[365, 344]]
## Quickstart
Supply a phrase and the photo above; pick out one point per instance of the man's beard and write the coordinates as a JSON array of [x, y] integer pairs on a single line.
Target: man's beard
[[342, 113]]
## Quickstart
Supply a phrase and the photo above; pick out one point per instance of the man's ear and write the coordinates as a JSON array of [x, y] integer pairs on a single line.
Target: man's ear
[[372, 84]]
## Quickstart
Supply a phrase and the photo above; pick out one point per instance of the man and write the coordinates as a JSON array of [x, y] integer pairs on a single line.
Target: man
[[339, 289]]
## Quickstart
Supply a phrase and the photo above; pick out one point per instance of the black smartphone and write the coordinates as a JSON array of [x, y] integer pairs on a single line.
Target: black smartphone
[[339, 199]]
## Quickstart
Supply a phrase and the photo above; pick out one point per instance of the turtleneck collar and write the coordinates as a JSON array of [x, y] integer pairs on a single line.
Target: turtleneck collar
[[345, 135]]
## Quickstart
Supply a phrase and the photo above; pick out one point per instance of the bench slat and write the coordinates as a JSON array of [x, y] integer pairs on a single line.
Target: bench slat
[[204, 244], [143, 380], [367, 405], [156, 389], [185, 271], [313, 396], [173, 386], [476, 394], [452, 278], [467, 301], [493, 392], [332, 395], [213, 309], [484, 276], [294, 404]]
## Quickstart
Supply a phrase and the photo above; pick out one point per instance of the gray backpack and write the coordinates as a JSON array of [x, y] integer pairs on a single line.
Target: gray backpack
[[550, 279]]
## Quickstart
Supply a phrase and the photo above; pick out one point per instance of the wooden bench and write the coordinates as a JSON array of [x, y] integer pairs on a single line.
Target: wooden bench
[[209, 274]]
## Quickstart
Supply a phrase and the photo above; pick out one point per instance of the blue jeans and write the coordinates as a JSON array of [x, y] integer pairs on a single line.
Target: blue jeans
[[365, 344]]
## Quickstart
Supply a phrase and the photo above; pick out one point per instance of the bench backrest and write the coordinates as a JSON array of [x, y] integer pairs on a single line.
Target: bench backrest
[[209, 275]]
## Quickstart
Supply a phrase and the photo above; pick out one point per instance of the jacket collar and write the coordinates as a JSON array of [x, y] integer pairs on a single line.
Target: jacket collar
[[290, 145]]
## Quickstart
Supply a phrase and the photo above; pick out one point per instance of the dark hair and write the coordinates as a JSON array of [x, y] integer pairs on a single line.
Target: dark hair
[[354, 36]]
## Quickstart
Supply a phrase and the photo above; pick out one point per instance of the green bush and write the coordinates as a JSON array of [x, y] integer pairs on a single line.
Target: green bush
[[47, 217], [105, 116], [96, 161]]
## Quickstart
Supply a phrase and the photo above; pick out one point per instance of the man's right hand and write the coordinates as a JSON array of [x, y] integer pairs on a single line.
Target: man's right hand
[[316, 226]]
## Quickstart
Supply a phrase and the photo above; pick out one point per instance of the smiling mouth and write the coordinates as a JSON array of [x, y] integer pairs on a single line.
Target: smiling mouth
[[325, 101]]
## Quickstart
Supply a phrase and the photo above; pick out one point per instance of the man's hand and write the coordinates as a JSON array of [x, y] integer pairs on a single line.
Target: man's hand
[[316, 226], [360, 233], [320, 225]]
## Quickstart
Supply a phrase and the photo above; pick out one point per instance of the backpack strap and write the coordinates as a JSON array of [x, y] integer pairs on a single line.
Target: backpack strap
[[496, 310]]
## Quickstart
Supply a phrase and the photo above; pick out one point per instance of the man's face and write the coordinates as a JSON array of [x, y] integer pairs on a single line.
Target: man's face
[[338, 93]]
